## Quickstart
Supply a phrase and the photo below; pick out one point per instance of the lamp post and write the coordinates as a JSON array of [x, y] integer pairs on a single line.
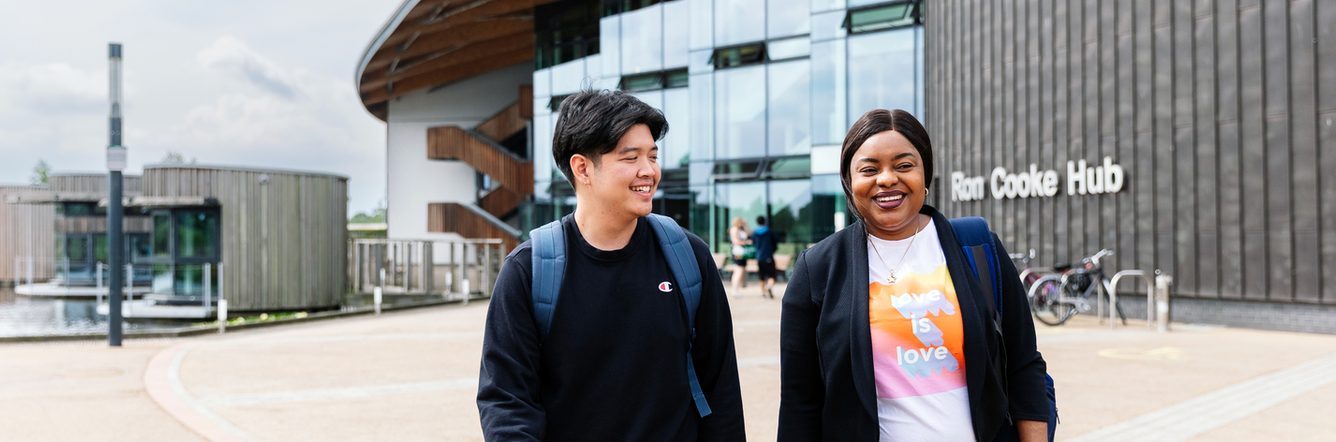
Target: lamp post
[[115, 235]]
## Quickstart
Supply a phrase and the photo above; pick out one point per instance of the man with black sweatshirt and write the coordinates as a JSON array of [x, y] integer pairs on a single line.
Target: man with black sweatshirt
[[611, 366]]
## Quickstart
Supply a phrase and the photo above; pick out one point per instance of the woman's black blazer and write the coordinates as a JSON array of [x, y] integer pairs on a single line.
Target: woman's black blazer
[[827, 390]]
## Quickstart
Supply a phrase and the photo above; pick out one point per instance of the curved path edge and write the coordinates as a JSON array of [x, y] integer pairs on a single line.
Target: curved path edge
[[162, 380]]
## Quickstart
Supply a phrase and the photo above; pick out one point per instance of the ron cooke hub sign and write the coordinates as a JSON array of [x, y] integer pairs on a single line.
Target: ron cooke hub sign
[[1081, 179]]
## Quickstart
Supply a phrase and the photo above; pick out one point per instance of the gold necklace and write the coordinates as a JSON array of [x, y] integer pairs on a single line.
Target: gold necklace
[[890, 271]]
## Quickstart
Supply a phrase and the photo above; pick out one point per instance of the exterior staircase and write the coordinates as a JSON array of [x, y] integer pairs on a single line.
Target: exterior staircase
[[480, 147]]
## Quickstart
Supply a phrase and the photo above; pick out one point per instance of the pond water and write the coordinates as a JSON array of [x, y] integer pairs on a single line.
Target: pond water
[[29, 316]]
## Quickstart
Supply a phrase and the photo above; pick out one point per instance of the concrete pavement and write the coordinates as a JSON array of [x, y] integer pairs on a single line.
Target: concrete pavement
[[412, 376]]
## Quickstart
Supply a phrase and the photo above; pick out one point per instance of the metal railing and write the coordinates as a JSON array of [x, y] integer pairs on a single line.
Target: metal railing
[[455, 269]]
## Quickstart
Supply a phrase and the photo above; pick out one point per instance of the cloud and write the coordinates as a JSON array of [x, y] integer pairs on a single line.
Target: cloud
[[51, 88], [230, 55]]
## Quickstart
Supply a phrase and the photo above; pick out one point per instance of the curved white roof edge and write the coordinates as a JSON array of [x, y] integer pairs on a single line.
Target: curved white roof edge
[[384, 34]]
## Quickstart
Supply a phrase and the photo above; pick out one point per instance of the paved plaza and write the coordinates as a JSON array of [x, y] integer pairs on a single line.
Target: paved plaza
[[411, 375]]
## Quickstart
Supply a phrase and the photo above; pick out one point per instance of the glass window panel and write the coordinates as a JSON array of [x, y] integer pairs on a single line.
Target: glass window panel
[[888, 82], [745, 199], [642, 82], [196, 234], [76, 248], [676, 18], [790, 108], [542, 83], [162, 279], [543, 166], [700, 61], [828, 92], [702, 24], [701, 206], [568, 77], [789, 48], [739, 56], [162, 234], [100, 252], [791, 221], [788, 17], [826, 5], [828, 25], [676, 78], [610, 43], [673, 150], [642, 40], [919, 110], [857, 3], [740, 112], [829, 208], [702, 117], [700, 172], [141, 246], [738, 21]]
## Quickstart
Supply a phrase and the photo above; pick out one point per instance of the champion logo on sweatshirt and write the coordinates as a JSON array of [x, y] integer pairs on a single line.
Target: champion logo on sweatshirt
[[666, 287]]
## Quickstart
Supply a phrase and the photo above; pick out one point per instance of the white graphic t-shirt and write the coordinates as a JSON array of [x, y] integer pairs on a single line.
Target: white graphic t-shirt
[[917, 341]]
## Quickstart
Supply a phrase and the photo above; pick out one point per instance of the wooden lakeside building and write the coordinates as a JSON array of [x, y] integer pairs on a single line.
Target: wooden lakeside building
[[272, 239], [26, 233]]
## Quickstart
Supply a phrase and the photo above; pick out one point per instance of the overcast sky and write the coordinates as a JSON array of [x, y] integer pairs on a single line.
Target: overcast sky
[[252, 83]]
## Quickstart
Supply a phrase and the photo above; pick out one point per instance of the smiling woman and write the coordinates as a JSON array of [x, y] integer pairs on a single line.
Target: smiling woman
[[880, 319]]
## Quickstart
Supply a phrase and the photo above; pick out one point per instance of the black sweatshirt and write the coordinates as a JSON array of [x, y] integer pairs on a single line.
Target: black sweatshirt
[[613, 366]]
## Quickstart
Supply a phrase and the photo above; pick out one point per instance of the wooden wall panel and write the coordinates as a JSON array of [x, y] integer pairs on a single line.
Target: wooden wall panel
[[26, 230], [1218, 110], [284, 234]]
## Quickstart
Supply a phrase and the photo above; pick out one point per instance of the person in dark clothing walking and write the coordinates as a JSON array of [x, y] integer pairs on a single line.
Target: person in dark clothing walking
[[764, 240], [611, 365]]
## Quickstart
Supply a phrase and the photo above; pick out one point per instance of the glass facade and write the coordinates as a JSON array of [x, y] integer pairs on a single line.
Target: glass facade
[[770, 85], [183, 241]]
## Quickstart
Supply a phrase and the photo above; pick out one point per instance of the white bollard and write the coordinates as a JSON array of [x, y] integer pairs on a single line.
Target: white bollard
[[465, 285], [222, 315], [376, 297], [1162, 283]]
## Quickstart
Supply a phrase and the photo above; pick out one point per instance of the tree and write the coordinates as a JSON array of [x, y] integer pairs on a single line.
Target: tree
[[173, 157], [376, 216], [40, 172]]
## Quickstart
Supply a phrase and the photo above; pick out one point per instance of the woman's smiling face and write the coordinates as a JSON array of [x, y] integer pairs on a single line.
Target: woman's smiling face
[[887, 184]]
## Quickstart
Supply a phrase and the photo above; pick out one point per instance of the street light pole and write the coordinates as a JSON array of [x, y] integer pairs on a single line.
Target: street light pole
[[115, 234]]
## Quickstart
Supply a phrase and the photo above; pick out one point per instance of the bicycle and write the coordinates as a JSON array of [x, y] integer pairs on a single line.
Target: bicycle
[[1029, 275], [1057, 297]]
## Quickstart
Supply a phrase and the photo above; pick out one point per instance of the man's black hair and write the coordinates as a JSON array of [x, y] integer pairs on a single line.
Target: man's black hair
[[592, 122], [760, 220]]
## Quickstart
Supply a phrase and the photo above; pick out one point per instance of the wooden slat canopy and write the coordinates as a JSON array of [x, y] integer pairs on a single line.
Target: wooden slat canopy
[[429, 43]]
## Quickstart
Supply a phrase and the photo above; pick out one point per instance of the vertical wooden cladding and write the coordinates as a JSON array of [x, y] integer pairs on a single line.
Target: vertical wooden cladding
[[26, 230], [456, 218], [1219, 110], [92, 183], [283, 234], [512, 119]]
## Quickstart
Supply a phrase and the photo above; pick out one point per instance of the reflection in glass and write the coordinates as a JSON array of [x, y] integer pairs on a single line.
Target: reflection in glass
[[196, 234], [673, 150], [738, 21], [610, 52], [789, 113], [675, 19], [702, 23], [642, 41], [745, 199], [796, 47], [888, 82], [788, 17], [829, 208], [702, 117], [828, 92], [740, 112], [791, 219], [826, 5], [162, 234], [544, 167], [828, 25]]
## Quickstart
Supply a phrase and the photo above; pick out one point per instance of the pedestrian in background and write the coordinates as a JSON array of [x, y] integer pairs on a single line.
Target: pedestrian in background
[[763, 240], [740, 239], [885, 332]]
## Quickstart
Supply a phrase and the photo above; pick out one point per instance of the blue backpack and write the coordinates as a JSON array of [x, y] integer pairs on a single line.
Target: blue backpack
[[977, 241], [549, 267]]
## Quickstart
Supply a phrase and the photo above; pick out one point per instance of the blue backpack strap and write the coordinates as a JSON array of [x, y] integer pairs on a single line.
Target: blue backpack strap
[[682, 262], [549, 267], [976, 240]]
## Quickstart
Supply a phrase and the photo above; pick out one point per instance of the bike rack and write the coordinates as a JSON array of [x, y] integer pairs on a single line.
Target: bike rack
[[1113, 296]]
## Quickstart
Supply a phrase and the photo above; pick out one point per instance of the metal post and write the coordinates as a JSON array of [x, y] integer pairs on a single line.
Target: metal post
[[115, 163], [208, 285], [129, 281], [1162, 283], [487, 269], [376, 295], [65, 269], [99, 283], [222, 315]]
